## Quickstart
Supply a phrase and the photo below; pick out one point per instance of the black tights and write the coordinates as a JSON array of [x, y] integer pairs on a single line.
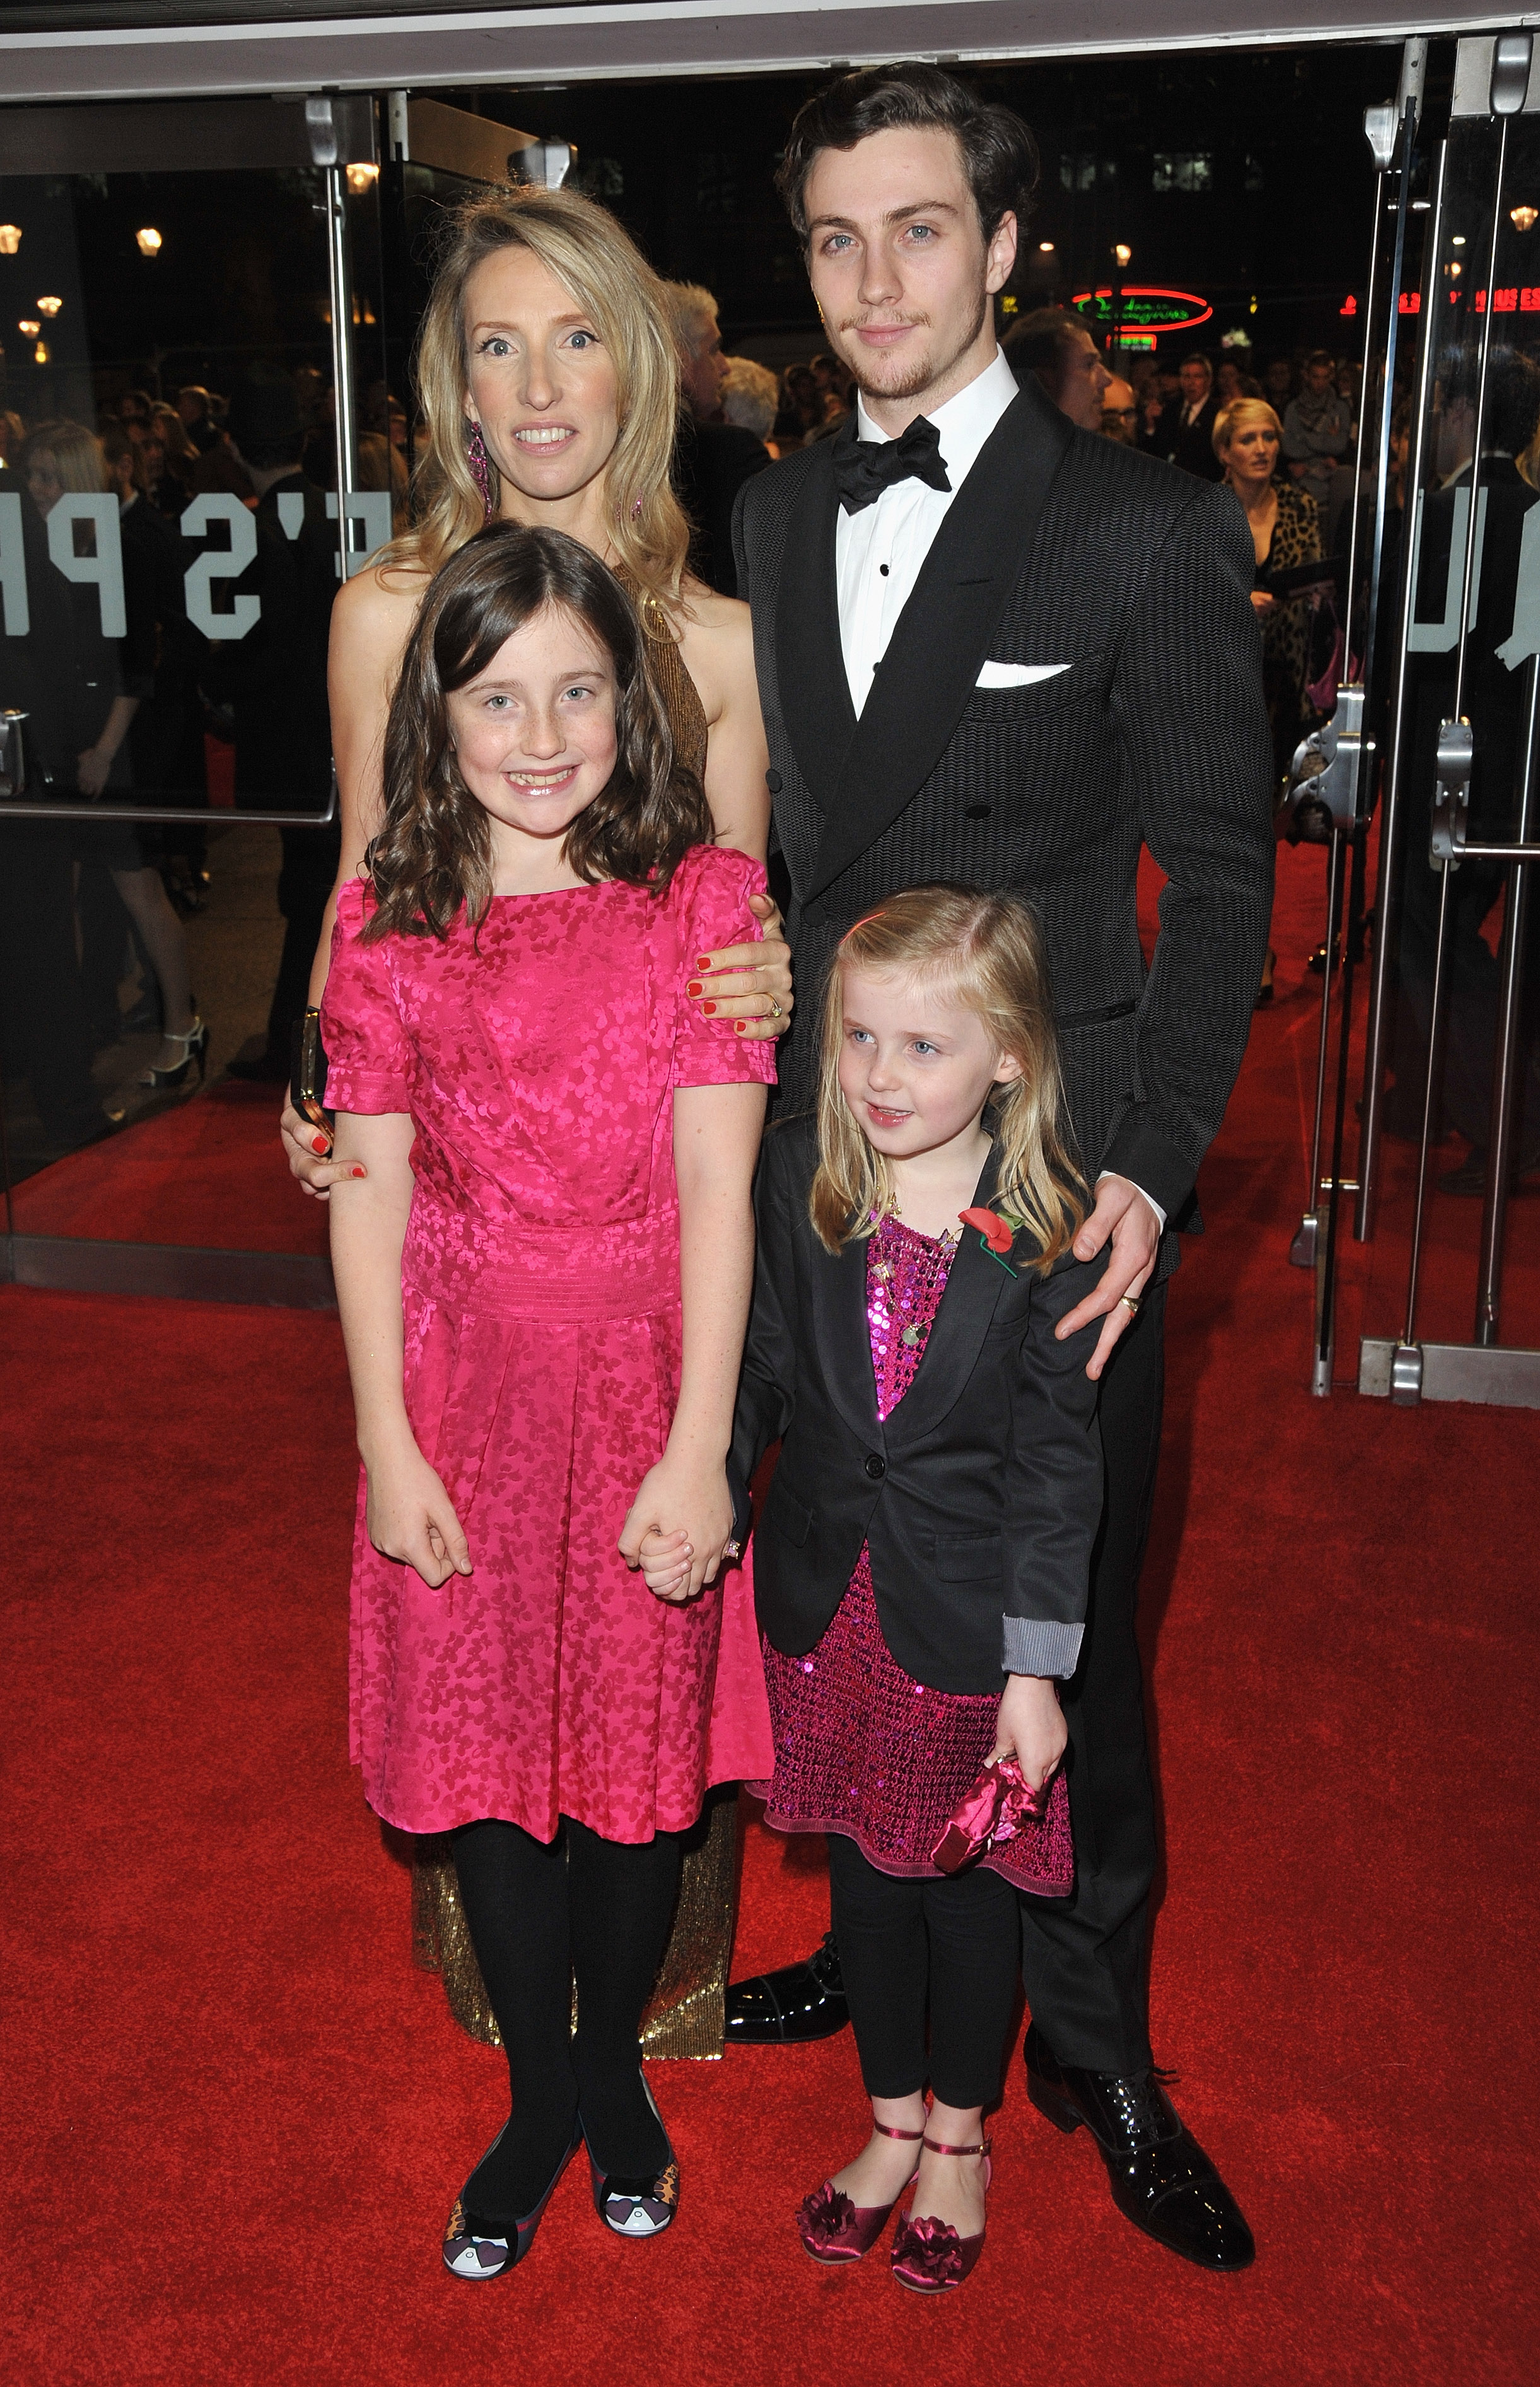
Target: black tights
[[541, 1916], [953, 1943]]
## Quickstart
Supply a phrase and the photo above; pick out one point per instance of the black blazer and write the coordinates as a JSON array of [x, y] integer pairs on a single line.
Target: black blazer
[[1061, 548], [1190, 446], [981, 1494]]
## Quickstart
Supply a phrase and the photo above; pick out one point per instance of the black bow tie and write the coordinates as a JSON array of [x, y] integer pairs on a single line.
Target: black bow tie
[[866, 467]]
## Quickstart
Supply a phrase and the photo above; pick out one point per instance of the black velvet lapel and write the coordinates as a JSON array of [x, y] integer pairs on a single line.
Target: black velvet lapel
[[810, 665], [943, 635], [975, 1282], [840, 1304]]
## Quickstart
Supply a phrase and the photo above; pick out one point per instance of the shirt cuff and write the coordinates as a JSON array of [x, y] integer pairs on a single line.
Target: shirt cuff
[[1035, 1646], [1160, 1214]]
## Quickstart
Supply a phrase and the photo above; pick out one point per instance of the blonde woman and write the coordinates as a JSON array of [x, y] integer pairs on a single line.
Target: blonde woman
[[1285, 529], [550, 382]]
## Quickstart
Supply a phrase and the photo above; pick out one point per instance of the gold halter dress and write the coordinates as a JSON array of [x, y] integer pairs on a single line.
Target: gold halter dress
[[687, 2009]]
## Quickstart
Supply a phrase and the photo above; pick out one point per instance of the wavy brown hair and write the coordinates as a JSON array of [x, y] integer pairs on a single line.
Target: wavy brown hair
[[433, 857], [984, 952], [594, 257]]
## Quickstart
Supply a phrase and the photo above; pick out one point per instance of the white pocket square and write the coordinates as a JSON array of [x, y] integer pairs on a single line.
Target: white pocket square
[[1018, 674]]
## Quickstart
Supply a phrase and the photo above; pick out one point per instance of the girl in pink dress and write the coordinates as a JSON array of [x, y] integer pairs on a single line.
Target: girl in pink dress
[[543, 1261], [922, 1563]]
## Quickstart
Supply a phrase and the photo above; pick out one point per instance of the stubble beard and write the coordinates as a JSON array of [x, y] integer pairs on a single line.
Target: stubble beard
[[925, 372]]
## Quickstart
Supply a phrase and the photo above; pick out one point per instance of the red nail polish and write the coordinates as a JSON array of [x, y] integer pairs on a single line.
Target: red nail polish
[[319, 1143], [694, 987], [703, 961], [359, 1172], [740, 1025], [708, 1006]]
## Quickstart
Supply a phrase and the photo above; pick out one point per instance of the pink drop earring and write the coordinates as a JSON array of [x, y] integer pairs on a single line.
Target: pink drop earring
[[480, 470]]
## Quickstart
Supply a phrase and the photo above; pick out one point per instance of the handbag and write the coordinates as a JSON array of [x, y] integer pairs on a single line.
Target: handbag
[[1000, 1805]]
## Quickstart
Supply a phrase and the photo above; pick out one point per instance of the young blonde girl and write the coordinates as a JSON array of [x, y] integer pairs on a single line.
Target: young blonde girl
[[543, 1253], [922, 1558]]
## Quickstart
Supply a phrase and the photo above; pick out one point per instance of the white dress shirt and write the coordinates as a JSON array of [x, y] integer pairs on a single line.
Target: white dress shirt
[[879, 551], [878, 554]]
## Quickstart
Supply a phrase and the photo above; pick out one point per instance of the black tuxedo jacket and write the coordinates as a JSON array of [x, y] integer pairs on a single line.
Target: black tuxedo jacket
[[1191, 445], [981, 1494], [1066, 550]]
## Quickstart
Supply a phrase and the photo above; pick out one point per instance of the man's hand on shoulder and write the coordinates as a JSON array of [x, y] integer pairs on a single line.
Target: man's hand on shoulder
[[1127, 1219]]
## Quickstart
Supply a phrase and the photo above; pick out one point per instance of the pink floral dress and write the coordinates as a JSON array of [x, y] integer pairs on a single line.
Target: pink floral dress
[[539, 1057]]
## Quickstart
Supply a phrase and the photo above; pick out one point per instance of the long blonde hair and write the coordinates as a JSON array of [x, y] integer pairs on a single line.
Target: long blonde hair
[[77, 455], [984, 952], [590, 254]]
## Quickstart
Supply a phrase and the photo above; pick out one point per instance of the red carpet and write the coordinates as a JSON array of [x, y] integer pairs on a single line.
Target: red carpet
[[209, 1171], [235, 2117]]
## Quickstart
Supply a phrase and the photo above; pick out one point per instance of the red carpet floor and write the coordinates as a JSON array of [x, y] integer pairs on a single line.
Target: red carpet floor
[[207, 1171], [235, 2117]]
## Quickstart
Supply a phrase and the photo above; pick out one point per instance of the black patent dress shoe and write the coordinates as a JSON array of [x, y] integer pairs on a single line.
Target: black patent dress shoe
[[1161, 2179], [800, 2002]]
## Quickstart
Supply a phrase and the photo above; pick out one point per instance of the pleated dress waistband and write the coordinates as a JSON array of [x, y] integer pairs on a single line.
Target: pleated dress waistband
[[550, 1276]]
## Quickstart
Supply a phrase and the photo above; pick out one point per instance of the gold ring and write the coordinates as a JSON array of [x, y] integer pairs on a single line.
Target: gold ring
[[775, 1008], [1130, 1304], [733, 1550]]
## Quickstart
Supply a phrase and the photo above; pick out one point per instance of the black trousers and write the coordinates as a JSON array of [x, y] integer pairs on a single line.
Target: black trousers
[[950, 1945], [1084, 1961]]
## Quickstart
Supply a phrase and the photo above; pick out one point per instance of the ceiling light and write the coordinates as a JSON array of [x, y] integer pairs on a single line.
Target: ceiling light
[[49, 306], [30, 326], [40, 354], [1123, 253], [362, 178], [10, 239], [150, 241], [1458, 241], [1454, 272], [1045, 249], [1523, 218]]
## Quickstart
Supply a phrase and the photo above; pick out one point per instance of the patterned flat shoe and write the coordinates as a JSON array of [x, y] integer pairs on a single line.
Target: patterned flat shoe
[[833, 2229], [637, 2205], [927, 2255], [636, 2209], [472, 2252]]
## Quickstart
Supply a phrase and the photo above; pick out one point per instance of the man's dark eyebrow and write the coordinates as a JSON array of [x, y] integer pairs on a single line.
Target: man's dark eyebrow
[[894, 215]]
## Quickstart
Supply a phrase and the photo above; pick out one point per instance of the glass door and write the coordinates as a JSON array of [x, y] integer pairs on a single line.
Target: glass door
[[1450, 1157], [191, 320]]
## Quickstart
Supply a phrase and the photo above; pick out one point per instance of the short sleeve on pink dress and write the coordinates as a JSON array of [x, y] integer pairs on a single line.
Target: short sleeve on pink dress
[[711, 887], [368, 1058]]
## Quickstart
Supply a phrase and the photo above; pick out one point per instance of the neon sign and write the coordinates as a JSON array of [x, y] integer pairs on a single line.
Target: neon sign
[[1508, 302], [1144, 309]]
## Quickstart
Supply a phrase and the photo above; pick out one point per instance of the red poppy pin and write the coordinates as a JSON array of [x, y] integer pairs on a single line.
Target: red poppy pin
[[997, 1232]]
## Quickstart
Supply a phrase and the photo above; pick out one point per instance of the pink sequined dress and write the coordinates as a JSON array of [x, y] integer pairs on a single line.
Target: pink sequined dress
[[860, 1748], [541, 1289]]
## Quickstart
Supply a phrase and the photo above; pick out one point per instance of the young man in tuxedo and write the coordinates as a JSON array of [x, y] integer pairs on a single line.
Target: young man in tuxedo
[[995, 649], [1185, 433]]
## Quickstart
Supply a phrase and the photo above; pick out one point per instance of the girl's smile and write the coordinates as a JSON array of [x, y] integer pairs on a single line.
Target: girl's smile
[[533, 734]]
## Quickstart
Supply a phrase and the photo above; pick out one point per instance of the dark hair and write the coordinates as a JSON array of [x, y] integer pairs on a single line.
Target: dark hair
[[1321, 357], [1196, 356], [1036, 343], [433, 856], [999, 157], [1512, 395]]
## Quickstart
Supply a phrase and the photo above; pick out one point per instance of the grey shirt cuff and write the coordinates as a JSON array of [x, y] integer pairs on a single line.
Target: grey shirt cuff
[[1033, 1646]]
